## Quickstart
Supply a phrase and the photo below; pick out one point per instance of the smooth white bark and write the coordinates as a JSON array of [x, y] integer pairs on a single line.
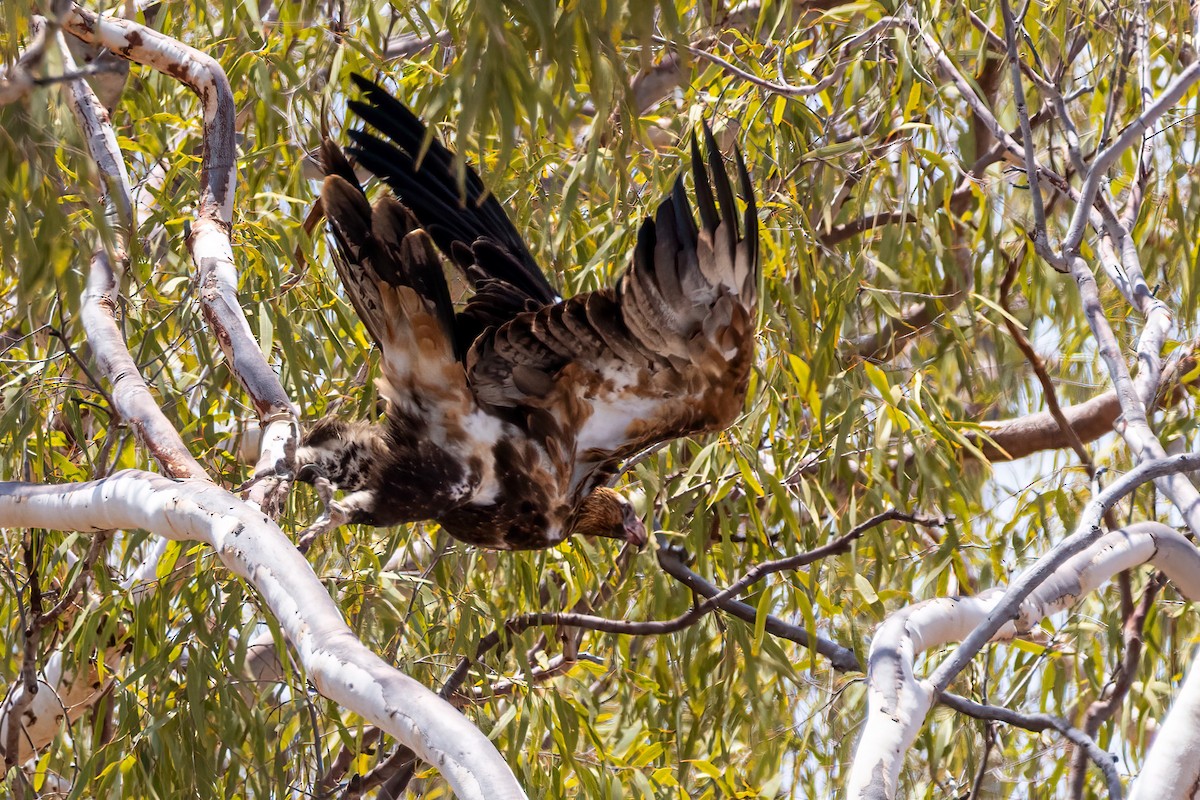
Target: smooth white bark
[[210, 244], [898, 701], [63, 696], [1172, 768], [98, 305], [1087, 530], [253, 547]]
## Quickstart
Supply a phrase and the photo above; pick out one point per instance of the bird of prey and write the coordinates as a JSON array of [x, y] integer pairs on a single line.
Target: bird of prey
[[507, 415]]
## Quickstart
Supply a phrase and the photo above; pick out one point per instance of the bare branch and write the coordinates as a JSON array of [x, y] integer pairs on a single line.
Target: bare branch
[[1178, 87], [840, 658], [523, 622], [1017, 438], [1043, 722], [1040, 237], [898, 701], [848, 230], [209, 242], [130, 396]]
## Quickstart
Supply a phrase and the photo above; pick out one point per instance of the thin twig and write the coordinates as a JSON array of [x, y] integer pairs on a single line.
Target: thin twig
[[1041, 241], [1039, 370], [1087, 531], [523, 622], [786, 89], [1110, 700], [848, 230], [1043, 722]]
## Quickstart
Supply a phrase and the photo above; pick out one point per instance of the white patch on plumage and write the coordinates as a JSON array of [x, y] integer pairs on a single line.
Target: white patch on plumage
[[610, 419], [484, 428], [555, 533], [485, 431]]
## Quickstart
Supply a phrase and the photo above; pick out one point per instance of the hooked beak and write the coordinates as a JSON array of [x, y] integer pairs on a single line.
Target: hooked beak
[[635, 532]]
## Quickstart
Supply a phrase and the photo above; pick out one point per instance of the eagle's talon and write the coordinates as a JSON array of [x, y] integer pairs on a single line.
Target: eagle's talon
[[324, 489], [333, 517]]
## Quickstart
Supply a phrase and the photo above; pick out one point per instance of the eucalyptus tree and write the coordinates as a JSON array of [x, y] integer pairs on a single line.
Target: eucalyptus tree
[[970, 408]]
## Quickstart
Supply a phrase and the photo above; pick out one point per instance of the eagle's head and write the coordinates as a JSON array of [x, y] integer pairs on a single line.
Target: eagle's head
[[606, 513]]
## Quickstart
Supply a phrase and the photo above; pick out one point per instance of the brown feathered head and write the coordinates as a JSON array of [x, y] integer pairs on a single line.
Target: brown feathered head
[[606, 513]]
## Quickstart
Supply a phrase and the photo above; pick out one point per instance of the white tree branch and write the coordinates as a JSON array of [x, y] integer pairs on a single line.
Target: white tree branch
[[1125, 139], [1133, 424], [898, 701], [134, 403], [1087, 530], [1036, 591], [253, 547], [63, 696], [1172, 768], [211, 248]]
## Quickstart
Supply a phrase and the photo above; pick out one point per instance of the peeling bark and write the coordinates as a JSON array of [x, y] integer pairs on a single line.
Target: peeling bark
[[209, 242]]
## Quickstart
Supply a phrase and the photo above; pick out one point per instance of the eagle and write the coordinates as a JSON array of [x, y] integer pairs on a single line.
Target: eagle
[[506, 417]]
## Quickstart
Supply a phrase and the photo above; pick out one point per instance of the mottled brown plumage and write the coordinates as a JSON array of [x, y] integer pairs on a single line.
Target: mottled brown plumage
[[506, 416]]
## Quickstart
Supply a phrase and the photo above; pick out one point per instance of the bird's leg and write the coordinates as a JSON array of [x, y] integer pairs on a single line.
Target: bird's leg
[[334, 515], [268, 490]]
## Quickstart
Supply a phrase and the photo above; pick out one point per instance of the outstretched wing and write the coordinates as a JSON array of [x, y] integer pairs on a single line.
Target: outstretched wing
[[665, 354], [472, 230]]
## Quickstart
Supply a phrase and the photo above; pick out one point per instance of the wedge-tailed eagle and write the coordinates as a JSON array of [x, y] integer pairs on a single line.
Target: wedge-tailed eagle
[[506, 417]]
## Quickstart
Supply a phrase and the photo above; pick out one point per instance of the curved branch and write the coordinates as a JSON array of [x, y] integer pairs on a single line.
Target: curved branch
[[1087, 531], [131, 398], [253, 547], [1091, 419], [848, 230], [523, 622], [1172, 768], [898, 701], [209, 241]]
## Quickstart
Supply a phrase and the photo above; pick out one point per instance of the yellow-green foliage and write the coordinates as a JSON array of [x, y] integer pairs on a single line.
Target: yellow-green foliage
[[538, 95]]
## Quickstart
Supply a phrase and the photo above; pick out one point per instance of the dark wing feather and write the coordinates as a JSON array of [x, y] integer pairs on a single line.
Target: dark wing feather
[[594, 379], [472, 230], [666, 354]]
